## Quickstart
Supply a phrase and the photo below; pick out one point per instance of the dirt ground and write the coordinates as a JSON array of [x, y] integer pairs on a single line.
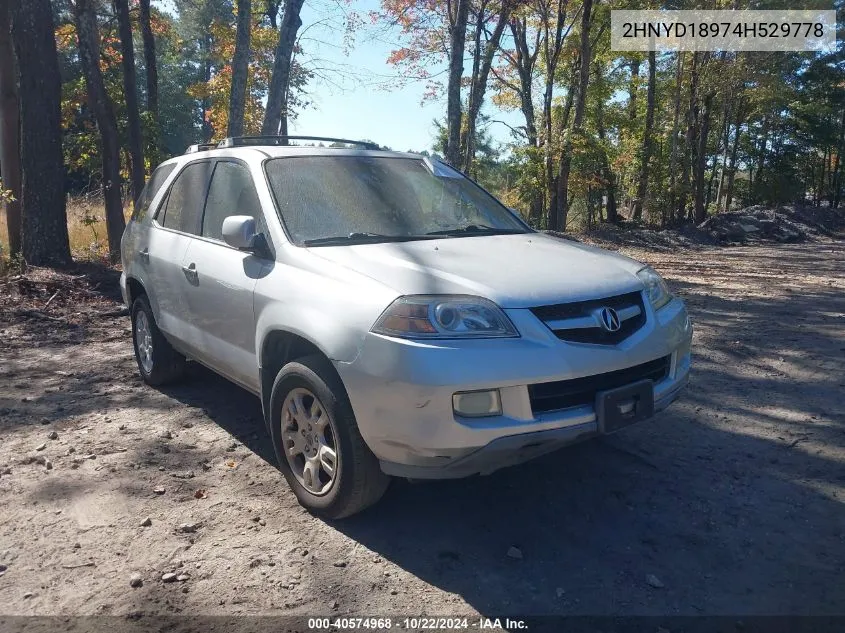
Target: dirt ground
[[728, 503]]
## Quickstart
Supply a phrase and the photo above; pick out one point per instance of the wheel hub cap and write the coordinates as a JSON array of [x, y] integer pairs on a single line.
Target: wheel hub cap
[[309, 441], [144, 341]]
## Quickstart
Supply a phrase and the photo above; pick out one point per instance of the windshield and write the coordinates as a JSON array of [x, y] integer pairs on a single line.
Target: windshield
[[331, 199]]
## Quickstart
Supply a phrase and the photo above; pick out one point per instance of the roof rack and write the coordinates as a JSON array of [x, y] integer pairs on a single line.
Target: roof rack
[[200, 147], [244, 141]]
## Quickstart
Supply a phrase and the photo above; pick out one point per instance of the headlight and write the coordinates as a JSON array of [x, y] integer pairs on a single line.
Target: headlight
[[655, 288], [449, 316]]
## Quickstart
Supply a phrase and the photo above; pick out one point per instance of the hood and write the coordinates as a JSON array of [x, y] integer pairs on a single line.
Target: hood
[[515, 271]]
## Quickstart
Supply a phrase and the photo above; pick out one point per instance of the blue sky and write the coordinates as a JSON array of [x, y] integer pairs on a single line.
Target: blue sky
[[349, 100], [353, 103]]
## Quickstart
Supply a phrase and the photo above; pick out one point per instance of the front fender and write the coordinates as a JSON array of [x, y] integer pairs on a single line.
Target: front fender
[[333, 314]]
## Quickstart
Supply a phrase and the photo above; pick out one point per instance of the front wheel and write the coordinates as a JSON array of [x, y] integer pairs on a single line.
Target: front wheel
[[320, 451]]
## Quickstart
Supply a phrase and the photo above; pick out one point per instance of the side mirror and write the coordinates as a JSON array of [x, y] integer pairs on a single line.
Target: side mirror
[[239, 232]]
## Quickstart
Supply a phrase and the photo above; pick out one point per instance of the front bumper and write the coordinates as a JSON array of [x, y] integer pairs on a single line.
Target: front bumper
[[401, 392]]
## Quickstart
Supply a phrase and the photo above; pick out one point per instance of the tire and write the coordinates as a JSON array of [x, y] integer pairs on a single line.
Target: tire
[[164, 364], [358, 481]]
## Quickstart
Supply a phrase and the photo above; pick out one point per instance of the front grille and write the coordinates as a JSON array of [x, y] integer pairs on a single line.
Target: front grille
[[563, 394], [583, 309]]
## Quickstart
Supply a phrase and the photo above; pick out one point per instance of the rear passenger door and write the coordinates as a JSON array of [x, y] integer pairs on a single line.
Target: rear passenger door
[[134, 245], [220, 297], [176, 223]]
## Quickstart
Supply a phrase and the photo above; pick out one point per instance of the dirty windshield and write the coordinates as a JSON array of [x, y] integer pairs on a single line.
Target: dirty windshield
[[326, 200]]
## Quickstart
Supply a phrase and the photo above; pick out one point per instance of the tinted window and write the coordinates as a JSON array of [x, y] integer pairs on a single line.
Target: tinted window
[[182, 210], [142, 205], [232, 192]]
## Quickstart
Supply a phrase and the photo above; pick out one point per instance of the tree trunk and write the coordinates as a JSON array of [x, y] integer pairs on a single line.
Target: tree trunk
[[149, 57], [633, 87], [732, 170], [473, 78], [151, 78], [708, 193], [525, 61], [830, 152], [757, 178], [10, 158], [88, 40], [609, 176], [825, 166], [272, 12], [690, 145], [457, 39], [673, 152], [645, 156], [130, 91], [722, 139], [563, 128], [478, 89], [240, 70], [277, 99], [205, 49], [726, 146], [577, 122], [701, 160], [552, 43], [44, 238], [837, 170]]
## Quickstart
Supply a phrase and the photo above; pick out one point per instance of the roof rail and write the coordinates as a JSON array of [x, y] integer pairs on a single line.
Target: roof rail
[[200, 147], [244, 141]]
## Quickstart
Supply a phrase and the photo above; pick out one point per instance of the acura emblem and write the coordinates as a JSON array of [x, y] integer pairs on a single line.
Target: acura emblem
[[609, 319]]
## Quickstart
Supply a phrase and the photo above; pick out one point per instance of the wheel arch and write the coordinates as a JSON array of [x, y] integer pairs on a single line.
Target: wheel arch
[[279, 347], [134, 289]]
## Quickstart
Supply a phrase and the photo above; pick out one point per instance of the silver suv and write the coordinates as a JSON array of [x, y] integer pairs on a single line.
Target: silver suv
[[394, 318]]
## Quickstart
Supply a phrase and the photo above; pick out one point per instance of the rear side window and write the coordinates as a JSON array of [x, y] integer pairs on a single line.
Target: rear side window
[[232, 192], [142, 205], [183, 208]]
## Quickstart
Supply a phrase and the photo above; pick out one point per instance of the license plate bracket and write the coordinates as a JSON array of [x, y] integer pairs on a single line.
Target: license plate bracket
[[618, 408]]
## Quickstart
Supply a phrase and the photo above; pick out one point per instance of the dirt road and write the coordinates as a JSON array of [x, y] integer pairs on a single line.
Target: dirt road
[[730, 502]]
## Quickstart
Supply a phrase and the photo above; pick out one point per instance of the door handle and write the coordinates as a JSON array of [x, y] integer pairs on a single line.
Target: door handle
[[190, 271], [145, 254]]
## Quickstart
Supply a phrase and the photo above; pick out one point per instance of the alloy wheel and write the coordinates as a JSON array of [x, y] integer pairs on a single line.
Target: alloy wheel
[[144, 341], [310, 441]]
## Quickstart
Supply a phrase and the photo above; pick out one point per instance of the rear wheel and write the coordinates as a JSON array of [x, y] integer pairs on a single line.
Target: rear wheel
[[158, 362], [320, 451]]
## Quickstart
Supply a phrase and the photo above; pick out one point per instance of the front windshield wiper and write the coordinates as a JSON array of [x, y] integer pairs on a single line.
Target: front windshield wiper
[[361, 238], [476, 229]]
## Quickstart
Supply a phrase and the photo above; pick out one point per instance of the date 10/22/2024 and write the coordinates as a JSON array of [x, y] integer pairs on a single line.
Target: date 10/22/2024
[[422, 623]]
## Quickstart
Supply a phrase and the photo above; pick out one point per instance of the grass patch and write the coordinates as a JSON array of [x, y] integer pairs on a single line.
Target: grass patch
[[86, 227]]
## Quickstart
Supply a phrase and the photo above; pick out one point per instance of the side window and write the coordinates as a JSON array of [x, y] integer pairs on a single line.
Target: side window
[[142, 205], [182, 210], [232, 192]]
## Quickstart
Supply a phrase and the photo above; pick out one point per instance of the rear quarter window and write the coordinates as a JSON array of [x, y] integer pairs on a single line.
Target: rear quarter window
[[153, 186]]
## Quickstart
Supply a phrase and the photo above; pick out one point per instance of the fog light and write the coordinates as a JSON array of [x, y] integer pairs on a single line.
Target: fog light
[[477, 404]]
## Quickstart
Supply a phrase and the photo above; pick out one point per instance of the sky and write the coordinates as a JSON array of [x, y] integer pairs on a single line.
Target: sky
[[358, 106], [350, 102]]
